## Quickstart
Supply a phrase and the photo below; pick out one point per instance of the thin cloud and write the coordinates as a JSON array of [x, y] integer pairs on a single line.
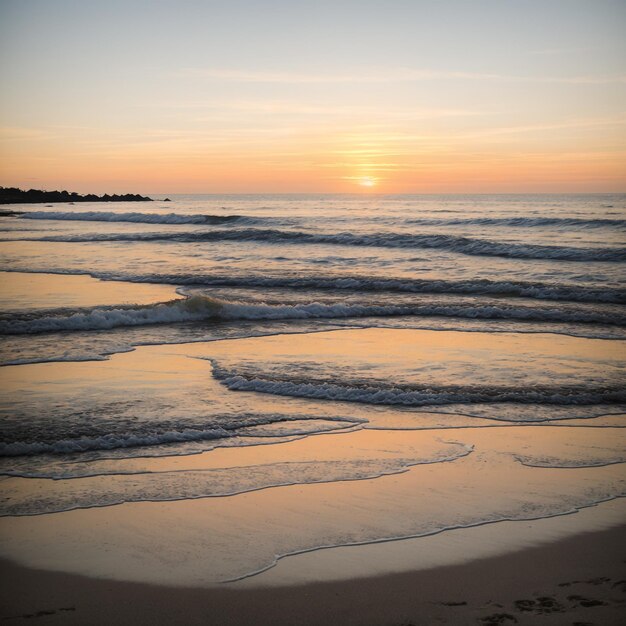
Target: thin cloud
[[566, 124], [20, 133], [557, 51], [387, 76]]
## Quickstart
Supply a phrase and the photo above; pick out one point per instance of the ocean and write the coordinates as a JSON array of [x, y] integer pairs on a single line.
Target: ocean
[[316, 339]]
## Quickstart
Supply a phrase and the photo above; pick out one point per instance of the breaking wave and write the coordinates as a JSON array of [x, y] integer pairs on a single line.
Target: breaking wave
[[452, 243], [198, 308], [416, 395]]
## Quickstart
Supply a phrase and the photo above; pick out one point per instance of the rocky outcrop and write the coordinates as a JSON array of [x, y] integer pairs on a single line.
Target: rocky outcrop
[[13, 195]]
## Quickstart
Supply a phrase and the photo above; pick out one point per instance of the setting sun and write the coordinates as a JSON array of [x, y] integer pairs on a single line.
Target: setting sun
[[367, 181]]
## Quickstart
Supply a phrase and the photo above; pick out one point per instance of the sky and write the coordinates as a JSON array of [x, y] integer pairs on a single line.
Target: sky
[[284, 96]]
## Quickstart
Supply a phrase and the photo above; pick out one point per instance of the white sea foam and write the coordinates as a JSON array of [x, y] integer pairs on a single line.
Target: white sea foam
[[559, 462]]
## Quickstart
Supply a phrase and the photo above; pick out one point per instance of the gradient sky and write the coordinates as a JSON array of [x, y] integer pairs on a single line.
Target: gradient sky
[[313, 96]]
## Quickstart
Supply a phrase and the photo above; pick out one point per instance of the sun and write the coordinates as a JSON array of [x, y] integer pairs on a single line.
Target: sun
[[367, 181]]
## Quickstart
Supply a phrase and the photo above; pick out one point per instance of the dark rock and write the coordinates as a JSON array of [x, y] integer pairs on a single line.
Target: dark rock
[[13, 195]]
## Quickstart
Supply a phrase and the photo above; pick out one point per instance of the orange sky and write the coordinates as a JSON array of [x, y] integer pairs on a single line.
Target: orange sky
[[225, 98]]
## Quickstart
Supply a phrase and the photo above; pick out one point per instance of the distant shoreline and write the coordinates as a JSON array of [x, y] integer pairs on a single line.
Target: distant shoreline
[[13, 195]]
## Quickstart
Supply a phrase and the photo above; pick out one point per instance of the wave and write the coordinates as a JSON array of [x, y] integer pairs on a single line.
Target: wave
[[195, 308], [524, 222], [476, 287], [142, 218], [198, 308], [110, 442], [452, 243], [293, 426], [419, 395], [185, 218]]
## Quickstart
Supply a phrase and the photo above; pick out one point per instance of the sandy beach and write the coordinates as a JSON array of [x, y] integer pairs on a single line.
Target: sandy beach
[[578, 580]]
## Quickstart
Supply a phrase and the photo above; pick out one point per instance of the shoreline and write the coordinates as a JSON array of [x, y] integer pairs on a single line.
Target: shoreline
[[439, 549], [576, 579]]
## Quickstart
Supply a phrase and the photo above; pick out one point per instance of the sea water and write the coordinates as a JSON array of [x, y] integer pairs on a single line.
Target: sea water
[[141, 337]]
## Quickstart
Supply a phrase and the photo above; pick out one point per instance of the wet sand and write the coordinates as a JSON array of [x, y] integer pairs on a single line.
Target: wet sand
[[20, 291], [206, 540], [579, 580]]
